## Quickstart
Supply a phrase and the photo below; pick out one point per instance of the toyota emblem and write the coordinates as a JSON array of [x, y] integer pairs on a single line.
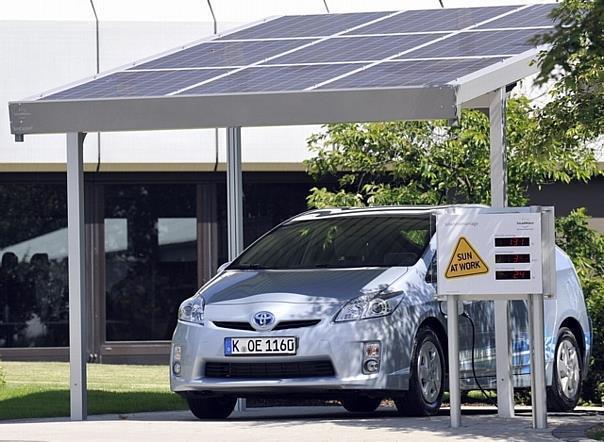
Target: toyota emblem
[[263, 321]]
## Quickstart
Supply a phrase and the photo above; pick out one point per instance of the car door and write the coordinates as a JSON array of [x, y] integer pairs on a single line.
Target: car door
[[476, 335]]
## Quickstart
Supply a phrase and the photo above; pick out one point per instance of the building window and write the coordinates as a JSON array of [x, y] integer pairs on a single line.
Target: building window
[[150, 258], [33, 266]]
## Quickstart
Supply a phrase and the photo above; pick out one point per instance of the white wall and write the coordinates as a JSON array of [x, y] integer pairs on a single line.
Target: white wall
[[43, 45], [135, 29]]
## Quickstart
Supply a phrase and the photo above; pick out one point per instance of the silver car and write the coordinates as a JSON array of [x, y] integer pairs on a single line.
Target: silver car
[[340, 304]]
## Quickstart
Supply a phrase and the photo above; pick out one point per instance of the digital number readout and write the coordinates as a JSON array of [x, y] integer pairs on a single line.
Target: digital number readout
[[513, 274], [515, 258], [520, 241]]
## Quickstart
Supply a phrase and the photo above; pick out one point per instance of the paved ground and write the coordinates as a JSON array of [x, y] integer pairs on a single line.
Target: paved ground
[[303, 424]]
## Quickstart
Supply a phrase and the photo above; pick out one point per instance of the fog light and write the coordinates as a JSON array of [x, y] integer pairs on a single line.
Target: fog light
[[176, 368], [372, 350], [371, 366], [372, 353], [177, 352]]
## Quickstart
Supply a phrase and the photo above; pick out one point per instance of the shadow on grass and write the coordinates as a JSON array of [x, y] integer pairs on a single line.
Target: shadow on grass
[[55, 403]]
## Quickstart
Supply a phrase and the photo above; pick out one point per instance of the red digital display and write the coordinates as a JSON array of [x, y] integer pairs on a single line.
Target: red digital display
[[513, 258], [513, 274], [520, 241]]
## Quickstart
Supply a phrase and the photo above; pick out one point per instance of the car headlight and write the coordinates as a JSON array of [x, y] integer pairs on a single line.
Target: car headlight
[[369, 306], [192, 309]]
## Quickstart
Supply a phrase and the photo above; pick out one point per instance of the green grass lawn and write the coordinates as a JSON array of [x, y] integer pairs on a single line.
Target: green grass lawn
[[41, 389]]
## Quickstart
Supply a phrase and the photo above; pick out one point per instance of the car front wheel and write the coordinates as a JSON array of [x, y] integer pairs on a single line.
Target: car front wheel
[[211, 408], [426, 384], [567, 377]]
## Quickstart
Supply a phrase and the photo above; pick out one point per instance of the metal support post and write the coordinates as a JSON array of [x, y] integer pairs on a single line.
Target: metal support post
[[234, 192], [76, 262], [499, 194], [235, 204], [537, 336], [453, 343], [505, 386]]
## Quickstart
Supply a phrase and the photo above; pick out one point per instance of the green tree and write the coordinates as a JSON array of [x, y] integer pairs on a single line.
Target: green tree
[[574, 63], [432, 163], [585, 246]]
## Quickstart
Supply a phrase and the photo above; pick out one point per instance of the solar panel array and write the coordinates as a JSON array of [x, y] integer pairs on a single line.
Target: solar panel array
[[332, 51]]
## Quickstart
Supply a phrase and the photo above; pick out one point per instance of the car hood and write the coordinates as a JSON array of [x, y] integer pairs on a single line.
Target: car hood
[[297, 286]]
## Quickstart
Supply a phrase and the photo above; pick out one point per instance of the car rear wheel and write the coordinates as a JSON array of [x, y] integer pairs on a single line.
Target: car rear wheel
[[211, 408], [567, 377], [426, 384], [361, 404]]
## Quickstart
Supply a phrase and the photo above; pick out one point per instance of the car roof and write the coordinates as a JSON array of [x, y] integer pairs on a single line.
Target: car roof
[[375, 211]]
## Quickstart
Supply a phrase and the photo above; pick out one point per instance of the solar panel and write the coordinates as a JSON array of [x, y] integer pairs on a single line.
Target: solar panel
[[411, 72], [359, 50], [354, 49], [535, 15], [136, 84], [479, 43], [277, 78], [434, 20], [219, 54], [305, 25]]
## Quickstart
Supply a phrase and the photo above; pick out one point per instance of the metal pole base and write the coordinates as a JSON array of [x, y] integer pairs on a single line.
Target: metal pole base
[[453, 343], [537, 336]]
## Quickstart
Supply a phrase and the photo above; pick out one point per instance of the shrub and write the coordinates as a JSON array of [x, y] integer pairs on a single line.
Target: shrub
[[585, 246]]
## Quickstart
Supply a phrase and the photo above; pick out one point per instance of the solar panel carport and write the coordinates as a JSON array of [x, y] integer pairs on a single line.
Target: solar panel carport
[[358, 67]]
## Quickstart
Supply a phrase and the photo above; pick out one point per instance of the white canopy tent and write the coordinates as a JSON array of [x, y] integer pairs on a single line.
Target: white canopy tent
[[293, 71]]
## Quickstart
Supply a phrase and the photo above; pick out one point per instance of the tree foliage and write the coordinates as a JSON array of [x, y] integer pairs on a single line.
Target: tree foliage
[[432, 163], [574, 62], [585, 246]]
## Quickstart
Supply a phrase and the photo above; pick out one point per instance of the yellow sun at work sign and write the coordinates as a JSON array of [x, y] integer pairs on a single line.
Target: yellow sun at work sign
[[465, 261]]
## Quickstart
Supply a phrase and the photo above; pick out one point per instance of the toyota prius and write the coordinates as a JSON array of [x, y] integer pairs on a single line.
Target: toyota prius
[[340, 304]]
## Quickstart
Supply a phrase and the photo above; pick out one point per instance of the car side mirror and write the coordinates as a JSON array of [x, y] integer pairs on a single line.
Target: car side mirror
[[223, 266]]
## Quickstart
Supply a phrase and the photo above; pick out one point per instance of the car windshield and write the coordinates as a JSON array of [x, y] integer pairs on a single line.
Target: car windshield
[[340, 242]]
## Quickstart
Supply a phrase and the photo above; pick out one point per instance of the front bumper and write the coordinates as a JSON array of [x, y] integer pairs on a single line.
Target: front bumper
[[339, 343]]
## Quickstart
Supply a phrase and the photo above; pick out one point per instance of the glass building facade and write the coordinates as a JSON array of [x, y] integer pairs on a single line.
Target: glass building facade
[[152, 240], [33, 266]]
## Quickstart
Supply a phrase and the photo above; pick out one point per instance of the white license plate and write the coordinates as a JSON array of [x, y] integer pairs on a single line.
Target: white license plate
[[287, 345]]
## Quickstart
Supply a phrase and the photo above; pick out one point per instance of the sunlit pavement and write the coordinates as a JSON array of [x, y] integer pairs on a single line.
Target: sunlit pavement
[[305, 424]]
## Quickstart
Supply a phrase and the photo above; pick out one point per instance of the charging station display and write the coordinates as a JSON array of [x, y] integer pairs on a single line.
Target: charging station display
[[489, 253], [497, 254]]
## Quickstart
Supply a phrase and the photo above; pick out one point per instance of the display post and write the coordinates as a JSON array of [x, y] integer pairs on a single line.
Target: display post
[[503, 254]]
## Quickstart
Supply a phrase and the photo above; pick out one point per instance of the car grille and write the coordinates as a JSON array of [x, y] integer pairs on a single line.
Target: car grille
[[283, 325], [265, 370]]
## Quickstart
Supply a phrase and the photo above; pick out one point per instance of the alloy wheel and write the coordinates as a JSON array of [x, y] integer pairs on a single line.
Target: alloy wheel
[[429, 370], [568, 368]]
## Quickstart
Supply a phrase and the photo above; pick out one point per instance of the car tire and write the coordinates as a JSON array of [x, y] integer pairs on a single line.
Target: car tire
[[211, 408], [567, 375], [427, 380], [361, 404]]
